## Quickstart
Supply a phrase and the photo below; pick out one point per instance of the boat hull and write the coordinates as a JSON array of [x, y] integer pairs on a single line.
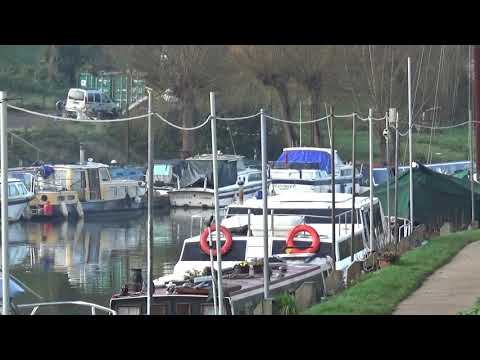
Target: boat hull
[[200, 197]]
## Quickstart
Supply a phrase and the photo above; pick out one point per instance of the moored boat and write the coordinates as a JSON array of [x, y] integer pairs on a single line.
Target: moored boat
[[195, 184], [309, 169], [18, 198]]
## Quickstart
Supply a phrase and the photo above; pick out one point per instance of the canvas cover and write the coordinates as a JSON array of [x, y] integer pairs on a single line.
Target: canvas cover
[[163, 171], [194, 171], [321, 159], [435, 195]]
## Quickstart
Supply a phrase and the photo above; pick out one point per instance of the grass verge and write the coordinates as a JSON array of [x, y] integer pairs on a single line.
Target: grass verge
[[380, 292], [474, 310]]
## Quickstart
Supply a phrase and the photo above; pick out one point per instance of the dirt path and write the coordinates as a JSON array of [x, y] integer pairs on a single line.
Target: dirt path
[[452, 288]]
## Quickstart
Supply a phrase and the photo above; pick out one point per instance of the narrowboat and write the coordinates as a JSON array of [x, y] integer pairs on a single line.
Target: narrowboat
[[96, 190]]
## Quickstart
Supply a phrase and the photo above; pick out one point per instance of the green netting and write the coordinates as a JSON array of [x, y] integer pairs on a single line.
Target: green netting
[[435, 196]]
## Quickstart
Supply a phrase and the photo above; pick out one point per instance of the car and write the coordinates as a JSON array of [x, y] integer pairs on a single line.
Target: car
[[93, 104]]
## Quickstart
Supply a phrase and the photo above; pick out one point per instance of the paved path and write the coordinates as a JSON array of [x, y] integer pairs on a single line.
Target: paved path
[[452, 288]]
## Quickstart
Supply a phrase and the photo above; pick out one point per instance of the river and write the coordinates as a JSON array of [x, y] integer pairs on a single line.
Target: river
[[90, 260]]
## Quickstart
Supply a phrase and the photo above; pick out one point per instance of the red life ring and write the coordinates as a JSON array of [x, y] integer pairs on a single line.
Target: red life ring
[[313, 248], [225, 247]]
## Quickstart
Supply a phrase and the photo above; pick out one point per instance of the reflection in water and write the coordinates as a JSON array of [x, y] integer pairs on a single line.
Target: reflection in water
[[90, 260]]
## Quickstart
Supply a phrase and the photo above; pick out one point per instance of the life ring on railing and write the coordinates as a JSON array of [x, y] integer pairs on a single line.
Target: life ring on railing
[[225, 247], [313, 248]]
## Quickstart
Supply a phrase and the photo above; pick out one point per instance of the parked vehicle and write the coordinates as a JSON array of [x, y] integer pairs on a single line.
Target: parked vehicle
[[92, 104]]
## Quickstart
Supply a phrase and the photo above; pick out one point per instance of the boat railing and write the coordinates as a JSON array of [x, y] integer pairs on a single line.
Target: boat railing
[[93, 307], [338, 220]]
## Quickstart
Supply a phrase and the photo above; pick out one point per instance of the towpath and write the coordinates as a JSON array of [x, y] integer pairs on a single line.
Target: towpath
[[452, 288]]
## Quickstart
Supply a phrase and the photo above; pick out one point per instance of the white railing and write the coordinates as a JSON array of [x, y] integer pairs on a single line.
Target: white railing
[[92, 306]]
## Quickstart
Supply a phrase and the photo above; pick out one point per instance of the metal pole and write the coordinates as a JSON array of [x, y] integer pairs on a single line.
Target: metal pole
[[4, 199], [410, 143], [353, 187], [300, 123], [370, 153], [266, 268], [217, 205], [470, 130], [396, 176], [332, 166], [150, 207], [387, 147]]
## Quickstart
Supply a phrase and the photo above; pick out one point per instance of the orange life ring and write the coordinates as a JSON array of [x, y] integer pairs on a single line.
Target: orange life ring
[[225, 247], [313, 248]]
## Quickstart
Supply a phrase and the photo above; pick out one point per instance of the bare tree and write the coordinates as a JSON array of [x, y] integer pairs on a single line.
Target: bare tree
[[182, 69], [271, 66]]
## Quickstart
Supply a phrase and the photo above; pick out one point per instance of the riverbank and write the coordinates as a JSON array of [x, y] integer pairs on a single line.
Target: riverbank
[[379, 293]]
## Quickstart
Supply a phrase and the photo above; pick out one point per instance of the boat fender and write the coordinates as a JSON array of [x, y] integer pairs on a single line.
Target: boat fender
[[63, 209], [313, 248], [79, 209], [225, 247]]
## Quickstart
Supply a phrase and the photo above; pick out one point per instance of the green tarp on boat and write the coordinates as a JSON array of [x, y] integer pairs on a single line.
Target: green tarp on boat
[[435, 196]]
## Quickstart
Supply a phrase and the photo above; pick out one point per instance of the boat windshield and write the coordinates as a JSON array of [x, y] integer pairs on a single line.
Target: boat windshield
[[24, 177]]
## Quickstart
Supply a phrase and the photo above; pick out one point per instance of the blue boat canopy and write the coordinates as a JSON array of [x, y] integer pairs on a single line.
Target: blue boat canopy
[[306, 156], [14, 288]]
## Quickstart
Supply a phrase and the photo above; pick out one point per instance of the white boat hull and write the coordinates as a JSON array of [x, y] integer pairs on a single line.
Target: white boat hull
[[200, 197]]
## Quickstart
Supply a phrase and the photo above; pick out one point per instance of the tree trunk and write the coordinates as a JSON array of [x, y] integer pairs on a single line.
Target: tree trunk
[[317, 112], [288, 130], [187, 121], [378, 127]]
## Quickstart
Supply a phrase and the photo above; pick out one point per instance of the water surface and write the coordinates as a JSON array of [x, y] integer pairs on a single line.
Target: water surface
[[90, 260]]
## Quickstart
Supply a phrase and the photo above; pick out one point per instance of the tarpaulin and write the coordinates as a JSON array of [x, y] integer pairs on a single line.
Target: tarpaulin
[[317, 157], [195, 171]]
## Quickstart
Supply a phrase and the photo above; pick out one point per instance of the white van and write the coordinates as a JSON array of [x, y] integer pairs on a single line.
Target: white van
[[92, 103]]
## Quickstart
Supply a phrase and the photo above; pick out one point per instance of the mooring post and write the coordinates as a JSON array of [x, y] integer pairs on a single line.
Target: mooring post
[[150, 206], [470, 131], [213, 120], [332, 168], [266, 267], [353, 188], [410, 144], [370, 154], [387, 147], [4, 207]]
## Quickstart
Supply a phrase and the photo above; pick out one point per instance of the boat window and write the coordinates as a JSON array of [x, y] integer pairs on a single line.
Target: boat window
[[12, 190], [104, 174], [192, 252], [160, 309], [240, 165], [60, 179], [207, 309], [21, 188], [128, 310], [77, 181], [183, 309], [255, 177], [76, 95], [90, 97], [344, 246], [97, 97]]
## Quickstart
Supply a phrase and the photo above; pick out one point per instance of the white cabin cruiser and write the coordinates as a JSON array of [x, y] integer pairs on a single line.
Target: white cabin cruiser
[[18, 198], [308, 169], [195, 183], [287, 211]]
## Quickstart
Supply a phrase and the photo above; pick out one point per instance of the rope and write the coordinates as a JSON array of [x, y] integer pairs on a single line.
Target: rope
[[297, 122], [239, 118], [180, 127], [77, 120]]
